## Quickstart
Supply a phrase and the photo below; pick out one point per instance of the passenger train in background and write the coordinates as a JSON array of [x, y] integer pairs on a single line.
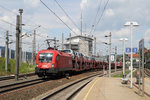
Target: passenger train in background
[[54, 62], [119, 64]]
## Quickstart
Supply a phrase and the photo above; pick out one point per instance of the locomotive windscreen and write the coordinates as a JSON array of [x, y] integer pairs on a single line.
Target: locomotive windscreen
[[45, 57]]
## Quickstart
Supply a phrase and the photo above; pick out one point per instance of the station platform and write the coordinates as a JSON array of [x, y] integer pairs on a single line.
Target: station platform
[[104, 88]]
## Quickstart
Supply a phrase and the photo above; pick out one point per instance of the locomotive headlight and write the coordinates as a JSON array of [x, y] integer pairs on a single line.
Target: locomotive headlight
[[52, 65]]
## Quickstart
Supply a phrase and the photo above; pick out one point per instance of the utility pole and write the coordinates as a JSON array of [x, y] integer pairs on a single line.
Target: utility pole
[[124, 58], [95, 46], [17, 48], [55, 43], [70, 41], [109, 54], [38, 46], [9, 52], [10, 45], [6, 53], [34, 48], [81, 23], [25, 57], [115, 58], [20, 44], [123, 52], [62, 41], [142, 67]]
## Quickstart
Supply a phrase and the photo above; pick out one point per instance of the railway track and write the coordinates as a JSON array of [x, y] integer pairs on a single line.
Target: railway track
[[147, 72], [22, 86], [70, 90], [13, 76], [19, 85]]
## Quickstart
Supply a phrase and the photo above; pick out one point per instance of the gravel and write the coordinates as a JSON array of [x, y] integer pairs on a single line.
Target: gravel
[[33, 91]]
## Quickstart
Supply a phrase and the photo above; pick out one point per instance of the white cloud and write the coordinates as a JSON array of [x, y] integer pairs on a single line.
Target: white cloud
[[15, 11], [83, 3], [109, 12], [32, 3], [123, 32], [119, 1], [75, 32], [5, 22], [65, 19], [147, 34], [6, 18]]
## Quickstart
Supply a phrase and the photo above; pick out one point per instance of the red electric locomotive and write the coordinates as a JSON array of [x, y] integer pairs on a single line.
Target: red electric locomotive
[[52, 62]]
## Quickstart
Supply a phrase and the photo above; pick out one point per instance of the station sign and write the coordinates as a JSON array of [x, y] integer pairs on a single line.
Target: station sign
[[134, 50], [141, 43], [112, 58], [128, 50]]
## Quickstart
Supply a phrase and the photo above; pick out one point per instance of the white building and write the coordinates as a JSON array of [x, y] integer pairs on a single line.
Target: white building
[[81, 44]]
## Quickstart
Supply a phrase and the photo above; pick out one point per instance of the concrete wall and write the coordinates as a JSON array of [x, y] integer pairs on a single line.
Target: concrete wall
[[84, 47]]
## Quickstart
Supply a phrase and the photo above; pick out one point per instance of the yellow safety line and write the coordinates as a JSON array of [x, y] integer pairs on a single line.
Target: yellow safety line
[[90, 90]]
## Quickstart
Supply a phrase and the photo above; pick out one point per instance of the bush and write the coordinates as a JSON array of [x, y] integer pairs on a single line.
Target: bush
[[24, 68], [121, 75]]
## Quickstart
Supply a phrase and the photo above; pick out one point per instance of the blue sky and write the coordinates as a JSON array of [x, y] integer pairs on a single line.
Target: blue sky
[[114, 17]]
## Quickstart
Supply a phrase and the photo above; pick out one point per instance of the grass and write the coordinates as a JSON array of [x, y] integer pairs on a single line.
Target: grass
[[121, 75], [24, 68]]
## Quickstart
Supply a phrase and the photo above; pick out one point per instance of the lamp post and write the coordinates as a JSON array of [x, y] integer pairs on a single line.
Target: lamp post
[[123, 39], [131, 24], [109, 53], [115, 58]]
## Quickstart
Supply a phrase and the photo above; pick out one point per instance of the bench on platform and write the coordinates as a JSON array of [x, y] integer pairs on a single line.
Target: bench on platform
[[126, 79]]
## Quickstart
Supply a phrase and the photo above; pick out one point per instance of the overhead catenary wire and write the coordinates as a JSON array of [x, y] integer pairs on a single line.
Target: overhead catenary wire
[[66, 14], [17, 14], [95, 18], [3, 28], [6, 28], [7, 22], [15, 26], [23, 29], [8, 10], [58, 17], [5, 8], [100, 16], [2, 38], [10, 24]]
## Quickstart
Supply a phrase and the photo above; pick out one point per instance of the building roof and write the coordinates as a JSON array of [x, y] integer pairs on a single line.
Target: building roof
[[146, 50], [67, 43], [80, 36], [134, 55]]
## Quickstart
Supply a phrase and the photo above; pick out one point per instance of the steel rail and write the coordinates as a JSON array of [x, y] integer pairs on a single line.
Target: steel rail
[[70, 85], [13, 76]]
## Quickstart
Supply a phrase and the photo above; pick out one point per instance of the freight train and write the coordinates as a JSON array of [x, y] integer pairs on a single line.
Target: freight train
[[54, 62]]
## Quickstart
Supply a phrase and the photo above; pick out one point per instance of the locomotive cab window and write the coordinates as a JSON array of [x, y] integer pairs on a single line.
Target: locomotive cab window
[[45, 57]]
